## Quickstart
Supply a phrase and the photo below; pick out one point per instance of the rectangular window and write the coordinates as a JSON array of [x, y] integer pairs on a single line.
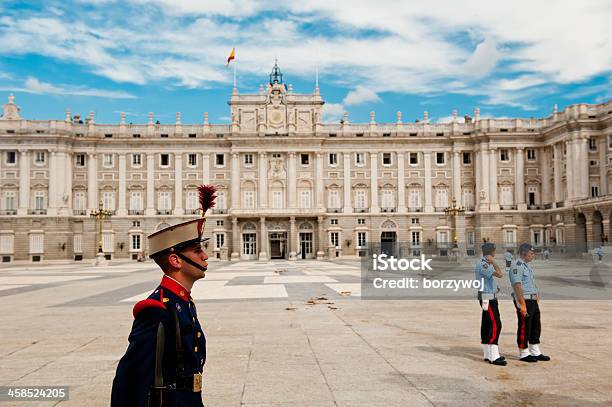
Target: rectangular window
[[334, 239], [136, 201], [594, 191], [40, 157], [77, 243], [163, 203], [440, 158], [359, 135], [9, 200], [388, 200], [305, 201], [333, 221], [333, 159], [414, 221], [468, 199], [277, 199], [503, 155], [136, 160], [136, 240], [192, 201], [220, 160], [221, 200], [7, 243], [37, 243], [334, 199], [467, 158], [415, 238], [592, 143], [531, 154], [192, 160], [248, 159], [305, 159], [11, 157], [360, 200], [414, 158], [276, 155], [219, 240], [441, 198], [414, 199], [248, 200], [108, 201], [219, 223], [470, 238], [39, 200], [386, 158], [359, 158], [361, 239], [164, 160], [79, 202], [79, 160], [107, 160], [361, 221], [510, 237]]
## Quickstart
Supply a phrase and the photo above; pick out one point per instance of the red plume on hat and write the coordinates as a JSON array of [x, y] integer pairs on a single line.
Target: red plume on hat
[[207, 197]]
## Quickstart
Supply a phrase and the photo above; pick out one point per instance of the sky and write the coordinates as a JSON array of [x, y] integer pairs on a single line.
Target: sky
[[510, 59]]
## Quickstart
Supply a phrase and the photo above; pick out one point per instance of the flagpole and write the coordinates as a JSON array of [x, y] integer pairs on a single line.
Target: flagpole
[[235, 90]]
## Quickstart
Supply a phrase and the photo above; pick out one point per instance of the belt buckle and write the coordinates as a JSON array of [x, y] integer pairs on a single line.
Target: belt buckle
[[197, 382]]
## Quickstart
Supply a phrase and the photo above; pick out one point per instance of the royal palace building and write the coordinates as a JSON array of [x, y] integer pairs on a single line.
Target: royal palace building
[[291, 186]]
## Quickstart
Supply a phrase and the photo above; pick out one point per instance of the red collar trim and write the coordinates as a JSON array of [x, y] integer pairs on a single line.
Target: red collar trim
[[176, 287]]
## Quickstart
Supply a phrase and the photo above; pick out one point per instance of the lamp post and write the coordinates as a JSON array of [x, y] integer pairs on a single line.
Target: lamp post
[[453, 211], [100, 215]]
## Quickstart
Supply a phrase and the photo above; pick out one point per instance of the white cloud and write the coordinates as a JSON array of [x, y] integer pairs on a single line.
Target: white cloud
[[33, 85], [360, 95], [418, 48], [332, 112]]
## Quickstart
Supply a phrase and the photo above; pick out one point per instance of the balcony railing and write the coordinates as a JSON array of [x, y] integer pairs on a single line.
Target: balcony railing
[[79, 212], [507, 207], [37, 211], [164, 211], [387, 209], [535, 207], [415, 209], [334, 210], [439, 208], [219, 211], [362, 210], [192, 211], [135, 212], [8, 212]]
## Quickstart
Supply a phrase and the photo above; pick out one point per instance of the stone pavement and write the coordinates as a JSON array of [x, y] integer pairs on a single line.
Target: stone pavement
[[298, 334]]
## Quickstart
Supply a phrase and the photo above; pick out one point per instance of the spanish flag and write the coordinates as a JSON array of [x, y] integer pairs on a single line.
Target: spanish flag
[[232, 55]]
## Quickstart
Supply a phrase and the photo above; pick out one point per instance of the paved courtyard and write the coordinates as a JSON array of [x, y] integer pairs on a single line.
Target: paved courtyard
[[298, 334]]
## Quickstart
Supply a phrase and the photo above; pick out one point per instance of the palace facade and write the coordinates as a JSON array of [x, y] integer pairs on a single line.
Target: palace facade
[[291, 186]]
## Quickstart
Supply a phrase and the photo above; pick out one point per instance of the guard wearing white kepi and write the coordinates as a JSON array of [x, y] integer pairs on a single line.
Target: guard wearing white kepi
[[490, 328], [526, 299]]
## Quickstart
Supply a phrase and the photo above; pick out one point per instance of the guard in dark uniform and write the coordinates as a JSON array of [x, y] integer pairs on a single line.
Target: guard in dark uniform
[[164, 361], [526, 298], [490, 326]]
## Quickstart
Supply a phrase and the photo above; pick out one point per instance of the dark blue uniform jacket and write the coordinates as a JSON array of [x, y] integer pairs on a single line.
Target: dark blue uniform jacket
[[136, 369]]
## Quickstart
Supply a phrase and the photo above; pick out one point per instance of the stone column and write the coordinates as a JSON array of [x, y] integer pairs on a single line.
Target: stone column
[[178, 184], [427, 164], [235, 240], [319, 181], [235, 194], [150, 210], [493, 203], [558, 192], [24, 182], [519, 181], [292, 181], [321, 241], [401, 183], [478, 176], [52, 206], [122, 210], [292, 239], [583, 180], [545, 171], [348, 208], [457, 177], [65, 173], [263, 180], [603, 169], [263, 238], [374, 206], [569, 174], [92, 182], [484, 162], [206, 168]]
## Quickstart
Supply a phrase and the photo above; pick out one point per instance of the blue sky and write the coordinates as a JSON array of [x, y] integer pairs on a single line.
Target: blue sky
[[511, 59]]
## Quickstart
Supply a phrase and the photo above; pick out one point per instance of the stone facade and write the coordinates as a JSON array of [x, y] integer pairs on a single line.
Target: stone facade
[[291, 186]]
